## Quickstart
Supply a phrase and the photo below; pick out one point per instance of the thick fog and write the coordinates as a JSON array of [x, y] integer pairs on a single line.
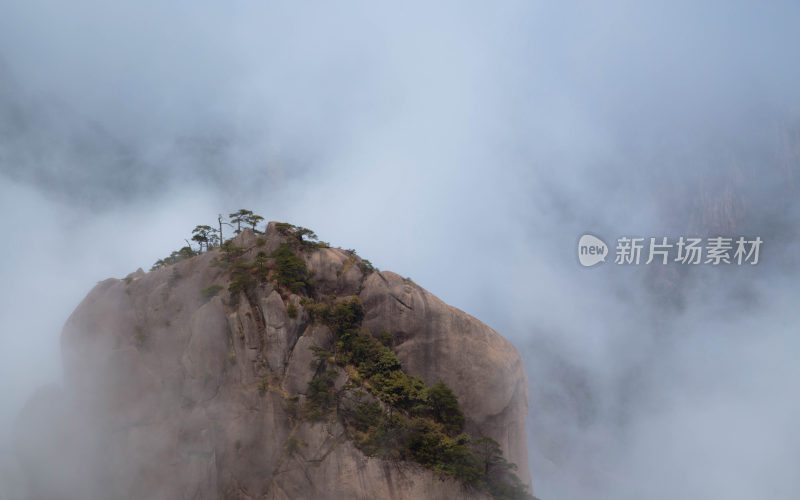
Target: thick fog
[[467, 145]]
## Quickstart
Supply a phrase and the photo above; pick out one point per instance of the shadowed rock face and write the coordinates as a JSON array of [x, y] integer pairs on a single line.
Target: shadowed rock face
[[169, 394]]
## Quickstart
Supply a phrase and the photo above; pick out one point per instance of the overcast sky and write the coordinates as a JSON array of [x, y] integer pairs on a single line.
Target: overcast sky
[[466, 145]]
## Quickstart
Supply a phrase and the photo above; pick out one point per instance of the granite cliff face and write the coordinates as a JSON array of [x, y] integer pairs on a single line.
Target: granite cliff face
[[176, 388]]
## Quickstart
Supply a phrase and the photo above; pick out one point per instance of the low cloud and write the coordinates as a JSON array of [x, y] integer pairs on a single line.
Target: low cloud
[[467, 147]]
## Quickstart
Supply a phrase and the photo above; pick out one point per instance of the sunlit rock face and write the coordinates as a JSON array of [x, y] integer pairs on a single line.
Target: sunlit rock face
[[173, 392]]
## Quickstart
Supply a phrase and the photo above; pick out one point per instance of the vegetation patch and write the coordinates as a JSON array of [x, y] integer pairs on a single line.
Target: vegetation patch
[[321, 395], [302, 236], [366, 266], [407, 420], [208, 237], [291, 271], [242, 279], [176, 256], [207, 293]]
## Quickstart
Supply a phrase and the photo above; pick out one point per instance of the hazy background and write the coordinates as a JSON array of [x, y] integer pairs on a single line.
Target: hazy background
[[467, 145]]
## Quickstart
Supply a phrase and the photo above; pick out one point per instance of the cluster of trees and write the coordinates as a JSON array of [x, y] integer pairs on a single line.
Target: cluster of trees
[[291, 273], [211, 237], [478, 463], [405, 419], [302, 237], [378, 366], [175, 256], [208, 237], [290, 269]]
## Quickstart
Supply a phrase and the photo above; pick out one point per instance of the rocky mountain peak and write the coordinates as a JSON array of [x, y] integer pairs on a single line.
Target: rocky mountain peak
[[274, 366]]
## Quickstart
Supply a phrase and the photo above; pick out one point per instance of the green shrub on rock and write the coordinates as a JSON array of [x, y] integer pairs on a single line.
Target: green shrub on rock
[[291, 270]]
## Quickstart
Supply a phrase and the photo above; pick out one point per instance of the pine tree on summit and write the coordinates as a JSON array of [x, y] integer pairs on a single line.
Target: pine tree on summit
[[253, 221], [241, 216]]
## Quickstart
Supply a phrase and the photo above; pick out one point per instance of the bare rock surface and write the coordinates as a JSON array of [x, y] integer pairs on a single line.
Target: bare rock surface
[[172, 392]]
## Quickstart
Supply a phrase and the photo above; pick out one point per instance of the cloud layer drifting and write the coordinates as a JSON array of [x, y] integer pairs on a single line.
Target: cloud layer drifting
[[467, 145]]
